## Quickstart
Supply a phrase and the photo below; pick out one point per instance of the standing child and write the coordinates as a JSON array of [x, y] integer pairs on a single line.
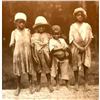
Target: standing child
[[20, 41], [40, 40], [80, 37], [60, 56]]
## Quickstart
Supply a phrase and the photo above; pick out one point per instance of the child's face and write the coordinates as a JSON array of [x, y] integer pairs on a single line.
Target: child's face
[[56, 33], [79, 17], [56, 36], [41, 29], [20, 24]]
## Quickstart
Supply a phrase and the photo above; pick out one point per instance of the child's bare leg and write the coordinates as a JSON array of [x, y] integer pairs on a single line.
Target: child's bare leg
[[18, 79], [67, 85], [38, 82], [49, 82], [30, 82], [76, 79], [86, 77], [57, 81]]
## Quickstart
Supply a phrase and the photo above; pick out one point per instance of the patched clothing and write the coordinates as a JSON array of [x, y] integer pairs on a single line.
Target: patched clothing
[[41, 51]]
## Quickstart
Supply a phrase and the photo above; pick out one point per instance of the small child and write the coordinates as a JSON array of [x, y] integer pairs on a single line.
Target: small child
[[60, 56], [40, 40], [22, 59], [80, 37]]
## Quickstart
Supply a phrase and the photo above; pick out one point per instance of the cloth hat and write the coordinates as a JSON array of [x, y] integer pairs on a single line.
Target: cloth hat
[[80, 9], [20, 15], [40, 20], [56, 28]]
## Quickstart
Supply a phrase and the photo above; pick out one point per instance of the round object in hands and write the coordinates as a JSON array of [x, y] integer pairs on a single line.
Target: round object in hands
[[60, 54]]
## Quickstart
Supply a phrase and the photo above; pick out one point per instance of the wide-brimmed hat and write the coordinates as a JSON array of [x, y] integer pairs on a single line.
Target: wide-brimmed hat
[[80, 9], [56, 28], [20, 15], [40, 21]]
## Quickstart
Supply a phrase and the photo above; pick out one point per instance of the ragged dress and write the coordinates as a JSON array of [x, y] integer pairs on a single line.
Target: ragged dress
[[41, 52], [22, 58], [81, 34]]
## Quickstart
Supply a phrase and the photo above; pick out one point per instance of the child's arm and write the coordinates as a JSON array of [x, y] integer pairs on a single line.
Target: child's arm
[[88, 43], [12, 41], [90, 36]]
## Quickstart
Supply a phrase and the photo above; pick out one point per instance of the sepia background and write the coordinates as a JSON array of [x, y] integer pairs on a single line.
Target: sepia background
[[56, 13]]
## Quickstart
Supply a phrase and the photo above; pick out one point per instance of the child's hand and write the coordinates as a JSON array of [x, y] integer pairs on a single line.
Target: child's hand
[[32, 45], [82, 48]]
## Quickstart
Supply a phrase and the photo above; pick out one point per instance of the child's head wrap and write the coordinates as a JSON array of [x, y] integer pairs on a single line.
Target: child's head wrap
[[39, 21], [80, 9], [20, 15]]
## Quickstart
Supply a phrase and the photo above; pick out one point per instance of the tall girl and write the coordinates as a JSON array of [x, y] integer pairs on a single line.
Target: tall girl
[[80, 37]]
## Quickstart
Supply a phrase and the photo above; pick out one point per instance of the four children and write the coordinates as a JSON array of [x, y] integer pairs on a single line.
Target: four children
[[49, 53]]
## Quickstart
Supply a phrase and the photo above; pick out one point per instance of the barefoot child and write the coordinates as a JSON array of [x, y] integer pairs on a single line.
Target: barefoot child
[[60, 56], [80, 37], [40, 40], [20, 41]]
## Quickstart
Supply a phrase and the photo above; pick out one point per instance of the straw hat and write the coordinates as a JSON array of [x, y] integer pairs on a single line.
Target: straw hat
[[40, 20], [20, 15]]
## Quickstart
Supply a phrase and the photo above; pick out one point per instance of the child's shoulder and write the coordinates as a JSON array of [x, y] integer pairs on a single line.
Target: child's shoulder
[[73, 25], [86, 24], [14, 31], [62, 39], [27, 29]]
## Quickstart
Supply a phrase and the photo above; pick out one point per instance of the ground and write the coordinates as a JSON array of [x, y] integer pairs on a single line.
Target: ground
[[62, 94]]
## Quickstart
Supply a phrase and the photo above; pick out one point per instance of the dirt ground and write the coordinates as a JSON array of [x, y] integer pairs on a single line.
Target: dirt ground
[[62, 94]]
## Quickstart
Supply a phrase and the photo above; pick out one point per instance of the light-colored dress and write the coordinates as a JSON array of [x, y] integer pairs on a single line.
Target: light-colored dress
[[64, 64], [80, 33], [22, 58], [41, 51]]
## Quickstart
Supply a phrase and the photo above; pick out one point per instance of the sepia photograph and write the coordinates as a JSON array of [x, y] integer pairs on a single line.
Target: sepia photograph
[[50, 50]]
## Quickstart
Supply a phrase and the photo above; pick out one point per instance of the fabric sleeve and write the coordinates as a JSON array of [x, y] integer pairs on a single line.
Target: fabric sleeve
[[12, 40], [90, 31], [51, 46], [71, 34], [64, 43]]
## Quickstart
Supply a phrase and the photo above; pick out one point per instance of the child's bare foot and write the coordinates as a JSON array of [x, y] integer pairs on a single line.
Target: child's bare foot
[[76, 87], [38, 88], [17, 91], [68, 87], [86, 88], [50, 88], [57, 87], [31, 89]]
